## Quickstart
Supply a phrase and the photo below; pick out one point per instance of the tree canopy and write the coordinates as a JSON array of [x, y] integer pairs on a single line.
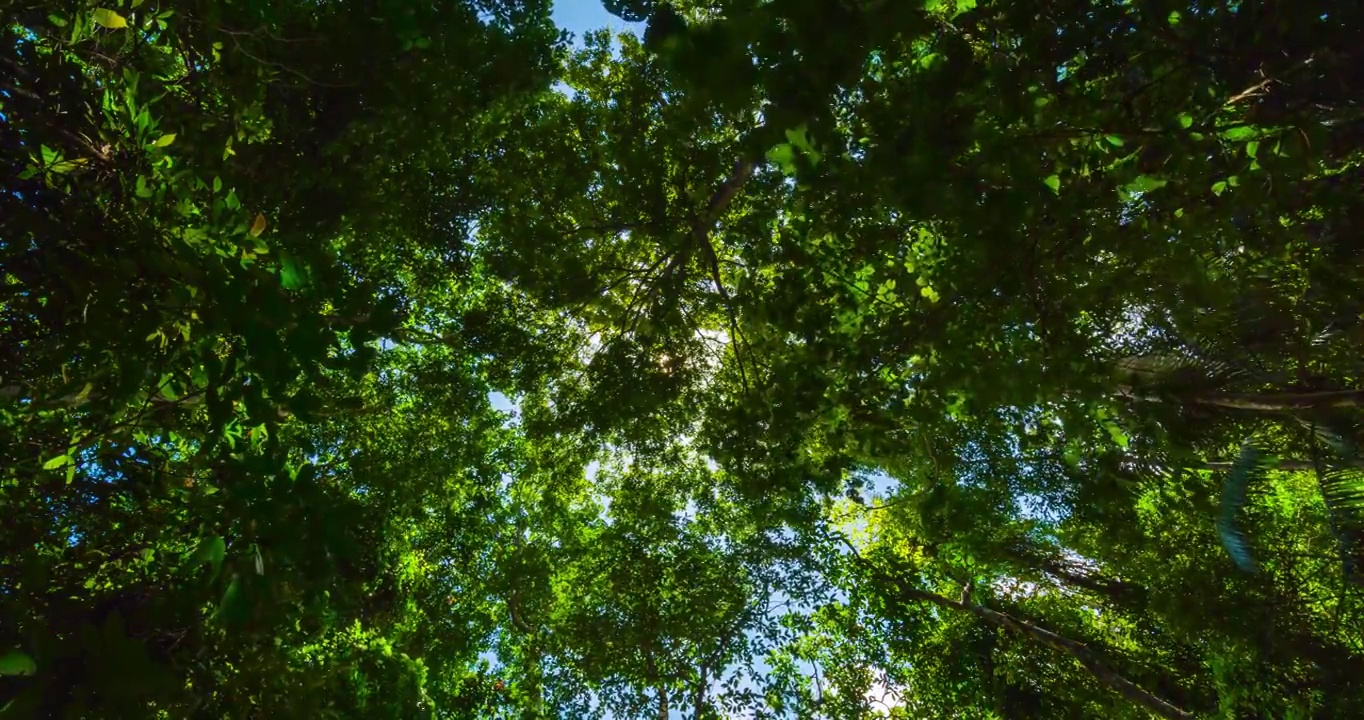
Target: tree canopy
[[785, 359]]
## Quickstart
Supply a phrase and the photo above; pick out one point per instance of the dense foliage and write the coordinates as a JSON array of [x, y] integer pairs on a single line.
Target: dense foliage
[[797, 358]]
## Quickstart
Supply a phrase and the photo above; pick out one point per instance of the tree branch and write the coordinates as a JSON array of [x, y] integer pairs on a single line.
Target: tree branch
[[701, 231], [907, 593]]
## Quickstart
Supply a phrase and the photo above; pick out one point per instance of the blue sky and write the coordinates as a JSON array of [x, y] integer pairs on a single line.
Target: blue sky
[[579, 16]]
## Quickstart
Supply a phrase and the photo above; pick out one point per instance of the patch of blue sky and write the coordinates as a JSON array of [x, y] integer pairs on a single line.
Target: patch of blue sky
[[581, 16]]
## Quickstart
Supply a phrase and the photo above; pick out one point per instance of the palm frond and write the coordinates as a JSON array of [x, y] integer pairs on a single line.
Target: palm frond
[[1248, 468], [1343, 491], [1160, 368], [1337, 438]]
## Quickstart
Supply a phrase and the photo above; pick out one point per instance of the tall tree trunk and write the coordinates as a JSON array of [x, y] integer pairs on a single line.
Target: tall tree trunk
[[1282, 402], [1120, 592], [1257, 402], [699, 697], [1082, 654], [652, 676], [1281, 465]]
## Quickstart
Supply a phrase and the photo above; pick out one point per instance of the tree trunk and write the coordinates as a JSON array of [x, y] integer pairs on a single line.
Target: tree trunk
[[1079, 651], [699, 698], [1119, 592], [1282, 402], [1280, 465], [1258, 402]]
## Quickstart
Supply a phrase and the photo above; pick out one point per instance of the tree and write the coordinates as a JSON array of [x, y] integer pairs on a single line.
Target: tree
[[1001, 359]]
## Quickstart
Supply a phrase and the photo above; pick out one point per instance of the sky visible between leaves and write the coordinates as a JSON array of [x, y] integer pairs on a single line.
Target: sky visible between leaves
[[580, 16]]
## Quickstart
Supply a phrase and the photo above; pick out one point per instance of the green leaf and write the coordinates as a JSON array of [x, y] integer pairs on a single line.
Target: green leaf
[[1054, 182], [217, 184], [109, 19], [231, 610], [1185, 120], [56, 462], [292, 275], [784, 157], [1116, 434], [15, 662], [57, 20], [1145, 184], [1114, 140], [211, 550], [1241, 133], [1218, 188], [164, 140], [800, 139], [1252, 148]]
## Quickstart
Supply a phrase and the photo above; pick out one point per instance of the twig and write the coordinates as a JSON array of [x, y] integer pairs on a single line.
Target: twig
[[1259, 87], [270, 63], [1255, 89], [265, 33]]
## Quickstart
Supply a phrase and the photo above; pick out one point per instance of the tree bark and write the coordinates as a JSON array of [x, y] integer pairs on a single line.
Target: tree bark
[[1082, 654], [699, 697], [1087, 658], [1281, 402], [1280, 465], [1260, 402]]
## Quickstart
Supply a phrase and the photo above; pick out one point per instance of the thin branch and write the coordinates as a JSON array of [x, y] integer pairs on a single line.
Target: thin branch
[[265, 33], [1259, 87], [270, 63]]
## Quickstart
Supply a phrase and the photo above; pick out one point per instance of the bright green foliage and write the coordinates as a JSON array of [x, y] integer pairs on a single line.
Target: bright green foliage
[[866, 359]]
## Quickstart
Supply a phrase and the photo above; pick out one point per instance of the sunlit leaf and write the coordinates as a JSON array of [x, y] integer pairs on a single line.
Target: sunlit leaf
[[15, 662], [109, 19]]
